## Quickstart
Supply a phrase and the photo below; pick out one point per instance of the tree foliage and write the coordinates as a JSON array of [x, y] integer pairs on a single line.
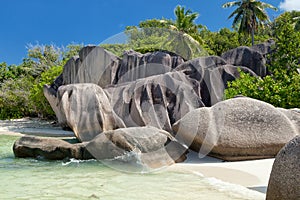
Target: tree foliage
[[21, 86], [282, 87], [249, 15], [221, 41], [180, 36], [14, 101], [40, 105]]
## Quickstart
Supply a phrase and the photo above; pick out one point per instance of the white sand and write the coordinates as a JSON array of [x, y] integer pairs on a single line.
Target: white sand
[[252, 174], [32, 127]]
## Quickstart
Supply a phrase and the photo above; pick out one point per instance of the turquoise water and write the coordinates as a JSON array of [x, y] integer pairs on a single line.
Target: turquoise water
[[39, 179]]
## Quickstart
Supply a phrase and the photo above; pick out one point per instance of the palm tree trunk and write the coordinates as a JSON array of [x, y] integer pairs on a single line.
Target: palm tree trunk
[[253, 26], [252, 36]]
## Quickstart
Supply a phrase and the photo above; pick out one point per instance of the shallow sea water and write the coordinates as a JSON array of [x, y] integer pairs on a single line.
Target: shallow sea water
[[40, 179]]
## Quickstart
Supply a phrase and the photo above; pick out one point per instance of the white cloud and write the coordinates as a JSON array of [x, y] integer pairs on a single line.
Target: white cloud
[[288, 5]]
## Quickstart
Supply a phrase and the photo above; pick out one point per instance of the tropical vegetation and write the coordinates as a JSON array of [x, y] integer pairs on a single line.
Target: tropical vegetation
[[21, 85], [249, 15], [282, 86]]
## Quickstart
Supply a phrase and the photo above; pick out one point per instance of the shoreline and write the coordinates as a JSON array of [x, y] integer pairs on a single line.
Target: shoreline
[[253, 174], [35, 127]]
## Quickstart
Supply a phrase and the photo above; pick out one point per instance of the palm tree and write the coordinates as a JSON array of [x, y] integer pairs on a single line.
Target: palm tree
[[249, 15], [180, 35], [185, 38], [185, 22]]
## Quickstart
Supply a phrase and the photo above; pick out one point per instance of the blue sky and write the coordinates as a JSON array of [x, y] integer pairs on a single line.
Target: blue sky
[[62, 22]]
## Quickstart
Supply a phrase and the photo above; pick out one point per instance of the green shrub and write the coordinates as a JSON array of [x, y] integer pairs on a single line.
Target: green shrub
[[283, 93], [40, 104], [14, 98]]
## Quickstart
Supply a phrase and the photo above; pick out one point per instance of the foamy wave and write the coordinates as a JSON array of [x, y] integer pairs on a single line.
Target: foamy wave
[[129, 162], [76, 161], [233, 190]]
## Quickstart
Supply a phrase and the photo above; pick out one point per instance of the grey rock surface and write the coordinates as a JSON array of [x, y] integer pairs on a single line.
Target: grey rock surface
[[86, 109], [284, 182], [156, 101], [264, 48], [212, 74], [236, 129], [153, 147], [247, 57], [156, 148], [49, 148], [135, 65], [293, 115]]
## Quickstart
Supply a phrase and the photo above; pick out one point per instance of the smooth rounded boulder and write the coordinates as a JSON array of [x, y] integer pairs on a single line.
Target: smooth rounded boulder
[[86, 110], [284, 182], [49, 148], [236, 129], [293, 115], [155, 148]]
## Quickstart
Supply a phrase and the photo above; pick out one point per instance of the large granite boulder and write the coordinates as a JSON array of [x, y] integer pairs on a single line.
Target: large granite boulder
[[284, 182], [293, 115], [195, 68], [155, 148], [86, 109], [93, 65], [247, 57], [49, 148], [264, 48], [236, 129], [156, 101], [212, 74], [135, 65]]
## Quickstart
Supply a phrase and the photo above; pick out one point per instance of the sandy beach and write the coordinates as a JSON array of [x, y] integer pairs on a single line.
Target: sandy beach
[[252, 174], [34, 126]]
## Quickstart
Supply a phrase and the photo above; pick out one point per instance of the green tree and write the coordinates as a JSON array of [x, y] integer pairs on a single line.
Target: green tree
[[43, 57], [223, 40], [289, 17], [70, 51], [185, 23], [21, 87], [282, 87], [40, 105], [249, 15], [14, 97], [285, 58], [180, 36], [47, 62]]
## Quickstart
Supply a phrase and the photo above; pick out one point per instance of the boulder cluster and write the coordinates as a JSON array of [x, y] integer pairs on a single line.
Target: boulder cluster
[[159, 106]]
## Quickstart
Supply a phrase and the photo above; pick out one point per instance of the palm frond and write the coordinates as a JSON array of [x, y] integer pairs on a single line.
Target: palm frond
[[266, 5], [231, 4], [237, 11]]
